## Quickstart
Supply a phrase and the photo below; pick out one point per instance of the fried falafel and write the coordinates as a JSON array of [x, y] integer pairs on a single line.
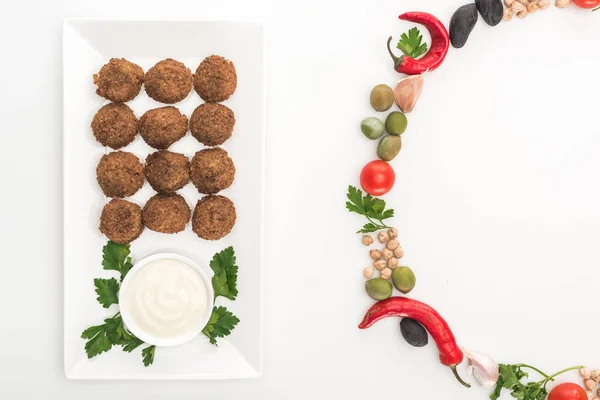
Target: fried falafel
[[212, 124], [168, 81], [161, 127], [166, 213], [211, 170], [120, 174], [214, 217], [215, 79], [166, 171], [119, 80], [115, 125], [121, 221]]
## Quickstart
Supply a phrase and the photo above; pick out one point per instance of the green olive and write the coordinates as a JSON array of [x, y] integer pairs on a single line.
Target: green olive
[[404, 279], [372, 128], [382, 98], [396, 123], [389, 147], [378, 288]]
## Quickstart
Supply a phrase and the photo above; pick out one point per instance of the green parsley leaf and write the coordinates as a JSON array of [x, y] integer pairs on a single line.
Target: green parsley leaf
[[411, 43], [115, 257], [220, 324], [224, 280], [371, 207], [107, 290], [98, 342], [148, 354], [131, 344]]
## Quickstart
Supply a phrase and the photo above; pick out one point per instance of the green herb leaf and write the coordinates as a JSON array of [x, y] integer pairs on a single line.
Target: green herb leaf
[[371, 207], [98, 342], [411, 43], [220, 324], [115, 257], [107, 290], [131, 344], [224, 280], [148, 354]]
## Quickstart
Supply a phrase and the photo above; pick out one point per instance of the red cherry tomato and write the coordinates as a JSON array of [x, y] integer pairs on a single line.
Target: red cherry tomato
[[567, 391], [587, 3], [377, 178]]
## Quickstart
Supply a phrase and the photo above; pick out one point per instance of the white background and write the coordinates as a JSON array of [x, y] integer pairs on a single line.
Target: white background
[[497, 198]]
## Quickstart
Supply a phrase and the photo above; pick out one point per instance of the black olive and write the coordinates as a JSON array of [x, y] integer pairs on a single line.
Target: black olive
[[413, 332], [491, 11], [462, 23]]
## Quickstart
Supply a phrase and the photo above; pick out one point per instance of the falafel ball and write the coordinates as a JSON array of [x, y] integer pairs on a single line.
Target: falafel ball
[[215, 79], [166, 213], [119, 80], [166, 171], [212, 124], [214, 217], [120, 174], [211, 170], [161, 127], [121, 221], [115, 125], [169, 81]]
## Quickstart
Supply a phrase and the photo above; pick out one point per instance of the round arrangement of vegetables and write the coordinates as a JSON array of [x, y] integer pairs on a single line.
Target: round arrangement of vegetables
[[385, 273]]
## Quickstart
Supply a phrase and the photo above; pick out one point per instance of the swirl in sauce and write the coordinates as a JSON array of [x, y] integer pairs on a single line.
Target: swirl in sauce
[[166, 299]]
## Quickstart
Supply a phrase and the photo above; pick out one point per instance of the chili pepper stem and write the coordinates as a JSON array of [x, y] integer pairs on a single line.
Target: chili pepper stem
[[397, 60], [457, 376]]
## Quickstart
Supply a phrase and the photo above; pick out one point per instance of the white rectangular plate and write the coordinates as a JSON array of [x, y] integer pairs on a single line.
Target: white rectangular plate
[[88, 44]]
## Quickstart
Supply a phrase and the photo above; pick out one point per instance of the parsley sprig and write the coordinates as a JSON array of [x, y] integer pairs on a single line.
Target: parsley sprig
[[220, 324], [371, 207], [411, 43], [511, 376], [115, 257], [107, 291], [225, 270]]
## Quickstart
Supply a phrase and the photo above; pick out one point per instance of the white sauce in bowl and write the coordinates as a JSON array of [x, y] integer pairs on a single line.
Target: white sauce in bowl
[[165, 299]]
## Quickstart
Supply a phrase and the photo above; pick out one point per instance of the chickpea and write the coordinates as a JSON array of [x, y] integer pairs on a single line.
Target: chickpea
[[399, 252], [392, 244], [367, 240], [386, 273], [368, 272], [383, 237], [379, 264], [375, 254], [393, 233], [387, 254]]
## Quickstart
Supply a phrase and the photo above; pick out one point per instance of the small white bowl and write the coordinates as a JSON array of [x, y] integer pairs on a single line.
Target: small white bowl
[[140, 333]]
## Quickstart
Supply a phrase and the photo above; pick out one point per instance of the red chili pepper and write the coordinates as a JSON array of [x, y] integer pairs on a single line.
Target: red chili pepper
[[450, 353], [440, 42]]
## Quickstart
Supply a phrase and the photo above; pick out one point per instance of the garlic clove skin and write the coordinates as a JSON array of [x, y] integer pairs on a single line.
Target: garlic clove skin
[[483, 368], [407, 92]]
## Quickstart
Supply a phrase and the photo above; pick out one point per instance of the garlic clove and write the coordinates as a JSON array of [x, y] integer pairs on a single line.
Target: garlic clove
[[483, 368], [407, 92]]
